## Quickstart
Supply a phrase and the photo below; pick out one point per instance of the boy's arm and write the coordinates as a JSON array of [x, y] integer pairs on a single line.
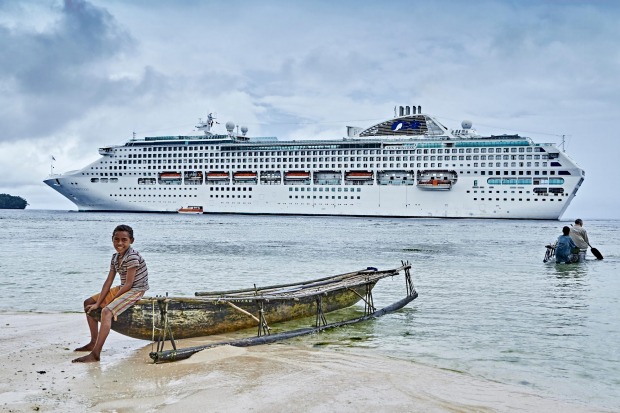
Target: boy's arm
[[104, 291]]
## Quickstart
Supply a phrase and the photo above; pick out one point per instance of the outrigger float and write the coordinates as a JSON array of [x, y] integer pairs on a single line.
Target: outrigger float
[[168, 318]]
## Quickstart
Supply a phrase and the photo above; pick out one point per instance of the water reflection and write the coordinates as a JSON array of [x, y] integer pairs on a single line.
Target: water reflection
[[568, 296], [568, 275]]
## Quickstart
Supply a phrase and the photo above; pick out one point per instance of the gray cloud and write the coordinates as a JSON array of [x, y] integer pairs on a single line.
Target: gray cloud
[[51, 77]]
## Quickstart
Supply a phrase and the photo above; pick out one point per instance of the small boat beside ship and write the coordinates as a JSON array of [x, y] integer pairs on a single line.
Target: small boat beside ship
[[191, 210]]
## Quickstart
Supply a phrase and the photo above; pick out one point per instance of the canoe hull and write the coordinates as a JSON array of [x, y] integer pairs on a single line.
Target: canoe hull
[[196, 317]]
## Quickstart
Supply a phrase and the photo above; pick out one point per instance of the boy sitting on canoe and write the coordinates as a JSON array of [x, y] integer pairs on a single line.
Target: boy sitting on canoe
[[114, 300]]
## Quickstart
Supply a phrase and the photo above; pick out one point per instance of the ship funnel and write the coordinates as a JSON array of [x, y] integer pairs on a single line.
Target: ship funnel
[[400, 111]]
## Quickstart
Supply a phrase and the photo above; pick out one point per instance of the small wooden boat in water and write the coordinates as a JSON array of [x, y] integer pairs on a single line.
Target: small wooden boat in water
[[224, 311], [550, 254]]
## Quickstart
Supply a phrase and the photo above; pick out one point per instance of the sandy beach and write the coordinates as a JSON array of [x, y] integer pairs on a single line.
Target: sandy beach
[[38, 375]]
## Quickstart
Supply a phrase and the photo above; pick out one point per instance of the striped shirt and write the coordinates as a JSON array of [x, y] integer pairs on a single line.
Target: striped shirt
[[131, 259]]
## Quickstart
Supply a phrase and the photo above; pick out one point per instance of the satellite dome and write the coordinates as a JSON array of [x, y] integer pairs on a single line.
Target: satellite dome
[[230, 126], [244, 130], [466, 124]]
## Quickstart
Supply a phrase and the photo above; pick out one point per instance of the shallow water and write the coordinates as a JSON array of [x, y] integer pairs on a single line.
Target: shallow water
[[487, 303]]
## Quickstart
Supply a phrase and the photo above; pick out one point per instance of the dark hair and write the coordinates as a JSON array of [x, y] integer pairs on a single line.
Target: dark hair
[[578, 221], [565, 231], [125, 228]]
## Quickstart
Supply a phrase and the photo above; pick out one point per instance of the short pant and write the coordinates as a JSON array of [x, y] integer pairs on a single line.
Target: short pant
[[120, 304]]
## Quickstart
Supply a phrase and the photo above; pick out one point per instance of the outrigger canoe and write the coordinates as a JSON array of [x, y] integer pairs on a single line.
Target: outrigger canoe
[[550, 253], [220, 312]]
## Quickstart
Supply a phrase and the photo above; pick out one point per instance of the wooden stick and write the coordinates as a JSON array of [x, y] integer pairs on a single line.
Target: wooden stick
[[243, 311]]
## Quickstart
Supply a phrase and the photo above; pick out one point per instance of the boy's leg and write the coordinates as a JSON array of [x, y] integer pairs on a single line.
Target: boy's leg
[[115, 308], [92, 326], [104, 330], [92, 322]]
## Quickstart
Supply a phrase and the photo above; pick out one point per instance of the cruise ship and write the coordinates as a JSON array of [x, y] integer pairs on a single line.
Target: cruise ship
[[407, 166]]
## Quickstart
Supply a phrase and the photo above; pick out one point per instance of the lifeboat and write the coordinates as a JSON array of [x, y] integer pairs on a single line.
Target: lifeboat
[[358, 176], [217, 176], [190, 210], [436, 179], [297, 175], [437, 184], [169, 175], [245, 176]]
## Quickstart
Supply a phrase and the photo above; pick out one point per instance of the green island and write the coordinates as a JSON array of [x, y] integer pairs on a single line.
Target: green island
[[12, 202]]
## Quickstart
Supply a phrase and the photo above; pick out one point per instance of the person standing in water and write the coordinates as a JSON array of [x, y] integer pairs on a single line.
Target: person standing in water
[[564, 247], [113, 301], [579, 235]]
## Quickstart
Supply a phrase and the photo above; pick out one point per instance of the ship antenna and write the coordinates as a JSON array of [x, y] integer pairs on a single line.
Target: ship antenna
[[562, 144]]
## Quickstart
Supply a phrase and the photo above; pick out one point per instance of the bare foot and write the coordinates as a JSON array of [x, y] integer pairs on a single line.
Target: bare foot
[[89, 358], [87, 347]]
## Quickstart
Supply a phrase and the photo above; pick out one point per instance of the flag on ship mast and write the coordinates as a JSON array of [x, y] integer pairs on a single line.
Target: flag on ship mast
[[53, 159]]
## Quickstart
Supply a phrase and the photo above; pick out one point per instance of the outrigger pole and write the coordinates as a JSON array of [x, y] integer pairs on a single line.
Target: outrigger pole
[[181, 354]]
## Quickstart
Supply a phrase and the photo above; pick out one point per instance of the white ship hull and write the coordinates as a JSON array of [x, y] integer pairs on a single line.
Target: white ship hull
[[539, 185], [374, 200]]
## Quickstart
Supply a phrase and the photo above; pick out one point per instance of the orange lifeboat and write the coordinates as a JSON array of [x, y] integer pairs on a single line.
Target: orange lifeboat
[[358, 175], [297, 175], [244, 176], [170, 175], [190, 210], [217, 176]]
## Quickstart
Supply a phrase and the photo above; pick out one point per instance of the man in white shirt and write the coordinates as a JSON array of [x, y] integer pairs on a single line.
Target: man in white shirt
[[580, 237]]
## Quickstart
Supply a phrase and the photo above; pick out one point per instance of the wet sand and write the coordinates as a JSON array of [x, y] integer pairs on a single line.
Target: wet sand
[[37, 375]]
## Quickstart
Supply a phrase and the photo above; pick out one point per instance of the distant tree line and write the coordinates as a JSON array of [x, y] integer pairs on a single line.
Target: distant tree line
[[12, 202]]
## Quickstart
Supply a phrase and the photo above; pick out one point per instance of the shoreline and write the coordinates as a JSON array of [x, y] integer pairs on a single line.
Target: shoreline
[[37, 349]]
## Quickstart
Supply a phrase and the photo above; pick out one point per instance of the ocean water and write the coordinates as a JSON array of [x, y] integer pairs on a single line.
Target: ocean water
[[488, 305]]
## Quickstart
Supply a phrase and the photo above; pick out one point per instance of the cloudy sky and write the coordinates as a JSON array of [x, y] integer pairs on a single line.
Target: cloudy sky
[[77, 75]]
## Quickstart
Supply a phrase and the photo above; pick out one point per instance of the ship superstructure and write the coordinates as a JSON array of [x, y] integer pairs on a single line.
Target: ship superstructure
[[408, 166]]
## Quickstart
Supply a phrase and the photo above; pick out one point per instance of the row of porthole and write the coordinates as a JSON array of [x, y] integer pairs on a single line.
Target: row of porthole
[[513, 199], [156, 195], [320, 197], [230, 196]]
